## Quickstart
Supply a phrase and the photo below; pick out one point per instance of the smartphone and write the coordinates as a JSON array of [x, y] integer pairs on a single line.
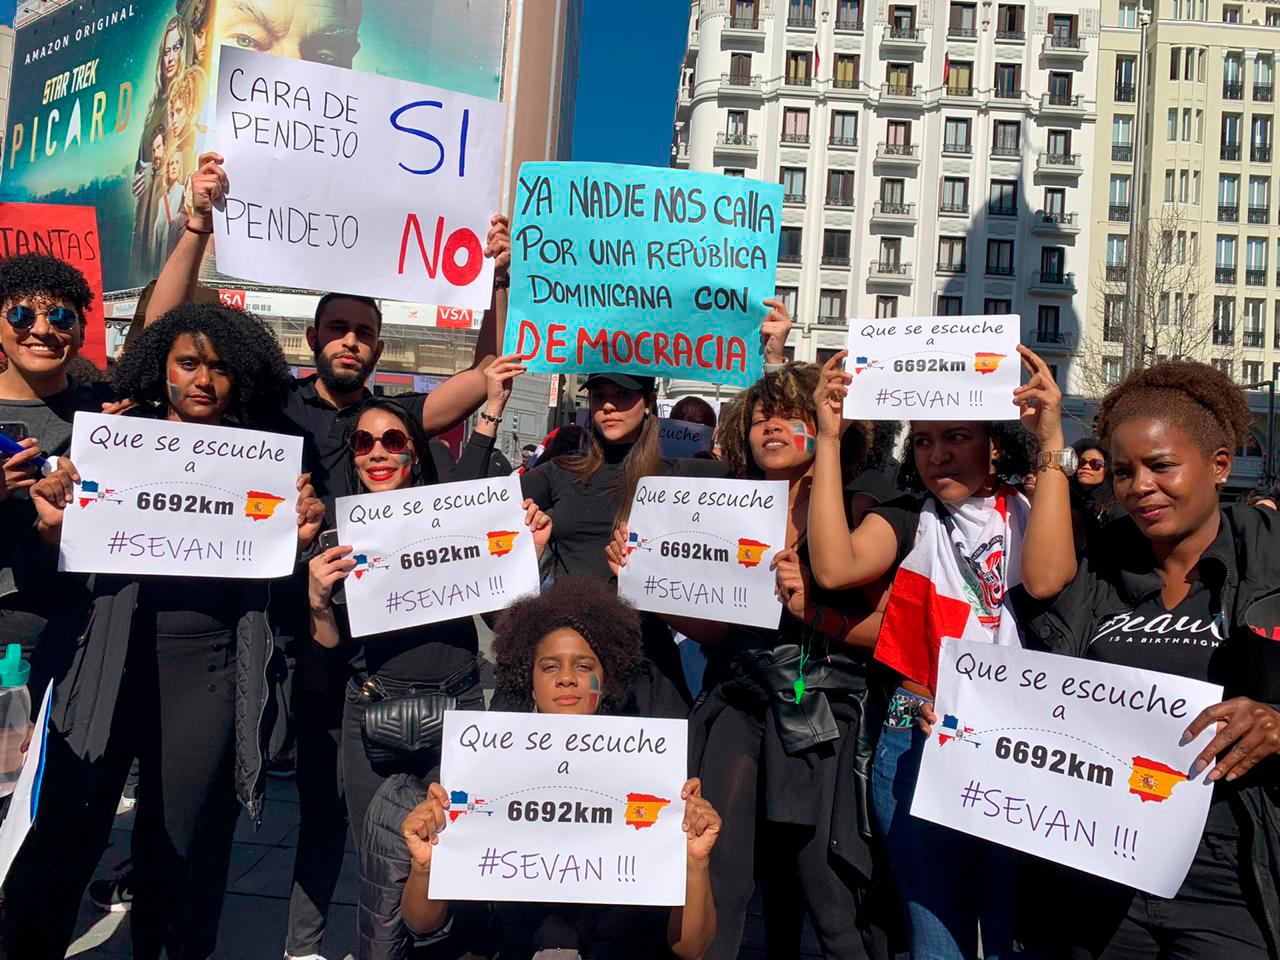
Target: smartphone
[[15, 430], [328, 540]]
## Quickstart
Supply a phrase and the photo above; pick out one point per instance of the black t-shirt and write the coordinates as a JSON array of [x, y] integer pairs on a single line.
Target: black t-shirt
[[903, 515], [49, 418], [425, 654]]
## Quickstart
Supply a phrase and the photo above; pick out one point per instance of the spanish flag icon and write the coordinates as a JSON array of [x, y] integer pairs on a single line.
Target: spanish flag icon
[[1153, 780], [751, 552], [643, 809], [501, 541], [985, 363], [260, 506]]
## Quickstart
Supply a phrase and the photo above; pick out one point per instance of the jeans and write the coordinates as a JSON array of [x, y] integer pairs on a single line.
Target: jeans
[[948, 881]]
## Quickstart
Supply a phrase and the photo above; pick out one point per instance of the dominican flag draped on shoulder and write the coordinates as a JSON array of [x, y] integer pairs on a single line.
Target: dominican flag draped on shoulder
[[955, 582]]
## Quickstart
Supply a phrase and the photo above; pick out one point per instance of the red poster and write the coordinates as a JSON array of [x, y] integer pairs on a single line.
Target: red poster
[[71, 234]]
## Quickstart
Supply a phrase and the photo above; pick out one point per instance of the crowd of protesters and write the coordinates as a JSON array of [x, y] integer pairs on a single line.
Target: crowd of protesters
[[803, 801]]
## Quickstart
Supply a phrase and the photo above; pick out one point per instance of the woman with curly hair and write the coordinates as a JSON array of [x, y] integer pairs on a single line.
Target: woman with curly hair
[[573, 650], [1181, 572], [178, 665], [958, 533]]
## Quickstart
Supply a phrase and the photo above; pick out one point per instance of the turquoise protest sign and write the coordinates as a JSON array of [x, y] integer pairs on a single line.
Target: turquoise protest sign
[[641, 270]]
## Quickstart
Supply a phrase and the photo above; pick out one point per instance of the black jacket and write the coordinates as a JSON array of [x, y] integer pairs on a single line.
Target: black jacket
[[1240, 567]]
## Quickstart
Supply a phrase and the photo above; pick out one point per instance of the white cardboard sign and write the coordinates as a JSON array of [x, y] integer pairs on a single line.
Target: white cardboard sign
[[357, 182], [180, 499], [933, 368], [700, 547], [25, 800], [680, 439], [434, 553], [562, 809], [1075, 761]]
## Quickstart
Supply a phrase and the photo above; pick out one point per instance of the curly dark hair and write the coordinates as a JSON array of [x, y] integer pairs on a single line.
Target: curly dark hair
[[1018, 450], [610, 626], [424, 469], [786, 393], [1205, 403], [41, 275], [259, 374], [884, 439]]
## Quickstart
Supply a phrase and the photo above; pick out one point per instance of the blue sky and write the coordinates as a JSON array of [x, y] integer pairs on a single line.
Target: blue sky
[[627, 79], [7, 8]]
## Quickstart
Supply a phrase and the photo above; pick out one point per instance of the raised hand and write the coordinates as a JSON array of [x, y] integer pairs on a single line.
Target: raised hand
[[833, 387], [209, 186], [1040, 402], [310, 512], [775, 330], [701, 823], [539, 525], [497, 244], [324, 570], [421, 828]]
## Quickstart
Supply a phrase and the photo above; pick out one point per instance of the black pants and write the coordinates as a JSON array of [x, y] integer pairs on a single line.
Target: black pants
[[1209, 919], [176, 714], [319, 679], [796, 871]]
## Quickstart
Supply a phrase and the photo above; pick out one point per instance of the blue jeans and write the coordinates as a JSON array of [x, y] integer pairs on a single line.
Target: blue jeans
[[948, 881]]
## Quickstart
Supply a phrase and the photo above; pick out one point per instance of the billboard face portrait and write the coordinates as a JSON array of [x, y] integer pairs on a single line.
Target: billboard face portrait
[[108, 109]]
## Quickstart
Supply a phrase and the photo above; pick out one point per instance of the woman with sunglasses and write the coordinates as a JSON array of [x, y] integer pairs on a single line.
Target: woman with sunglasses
[[172, 671], [438, 662]]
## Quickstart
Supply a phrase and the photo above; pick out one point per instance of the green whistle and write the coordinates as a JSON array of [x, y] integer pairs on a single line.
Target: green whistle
[[798, 687]]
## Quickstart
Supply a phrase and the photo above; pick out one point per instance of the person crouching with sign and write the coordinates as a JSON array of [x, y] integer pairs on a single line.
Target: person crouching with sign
[[576, 649], [1179, 586], [954, 548], [171, 670], [420, 671]]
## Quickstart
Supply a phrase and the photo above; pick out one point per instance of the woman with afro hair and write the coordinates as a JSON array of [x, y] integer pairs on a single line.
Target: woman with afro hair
[[1188, 576], [574, 650], [179, 669]]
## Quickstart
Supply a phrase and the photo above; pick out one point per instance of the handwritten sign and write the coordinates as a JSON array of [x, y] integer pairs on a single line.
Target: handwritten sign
[[667, 404], [933, 368], [435, 553], [353, 181], [1072, 760], [680, 439], [177, 499], [641, 270], [699, 547], [70, 234], [562, 809]]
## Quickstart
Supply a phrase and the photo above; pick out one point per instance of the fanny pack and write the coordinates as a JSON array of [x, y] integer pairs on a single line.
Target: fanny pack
[[402, 720]]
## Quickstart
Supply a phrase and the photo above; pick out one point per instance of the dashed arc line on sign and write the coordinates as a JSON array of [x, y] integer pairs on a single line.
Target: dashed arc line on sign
[[1056, 733], [557, 786], [441, 536], [179, 483]]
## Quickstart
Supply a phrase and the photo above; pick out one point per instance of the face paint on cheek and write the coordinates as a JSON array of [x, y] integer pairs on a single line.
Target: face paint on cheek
[[593, 698], [803, 437], [406, 464], [175, 392]]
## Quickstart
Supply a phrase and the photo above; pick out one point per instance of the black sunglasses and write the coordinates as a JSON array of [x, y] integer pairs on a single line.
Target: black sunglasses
[[60, 318], [1093, 464], [393, 441]]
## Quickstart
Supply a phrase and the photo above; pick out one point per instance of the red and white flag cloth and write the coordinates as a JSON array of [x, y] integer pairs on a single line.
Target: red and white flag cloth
[[946, 68], [955, 582], [817, 60]]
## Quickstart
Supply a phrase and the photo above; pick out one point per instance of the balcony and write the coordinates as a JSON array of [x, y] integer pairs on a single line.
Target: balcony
[[1064, 48], [790, 256], [738, 144], [680, 155], [901, 93], [1225, 276], [1118, 212], [741, 85], [847, 143], [845, 83], [1053, 283], [890, 272], [1062, 105], [1255, 278], [958, 92], [1253, 339], [1112, 331], [742, 28], [848, 26], [796, 139], [1011, 36], [1055, 223], [953, 208], [1259, 213], [793, 199], [800, 23], [959, 149], [1125, 93], [1117, 273], [903, 154], [1007, 93], [1051, 341], [961, 33], [1059, 164], [832, 320], [1230, 151], [947, 267], [1260, 154], [837, 200], [1122, 153], [903, 38], [835, 259], [1232, 90], [1006, 151], [1002, 209], [798, 80], [893, 211], [1228, 213], [1001, 271], [1263, 92]]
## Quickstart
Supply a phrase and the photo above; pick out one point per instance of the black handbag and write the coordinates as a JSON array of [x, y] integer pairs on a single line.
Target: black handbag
[[403, 720]]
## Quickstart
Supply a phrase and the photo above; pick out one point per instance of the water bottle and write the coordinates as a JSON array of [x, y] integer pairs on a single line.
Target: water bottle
[[15, 716]]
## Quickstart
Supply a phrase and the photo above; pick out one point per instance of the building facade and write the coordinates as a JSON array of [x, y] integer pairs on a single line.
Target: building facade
[[932, 154]]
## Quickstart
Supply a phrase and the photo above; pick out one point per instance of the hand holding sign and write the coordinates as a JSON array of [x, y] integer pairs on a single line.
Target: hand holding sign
[[1039, 402], [209, 185]]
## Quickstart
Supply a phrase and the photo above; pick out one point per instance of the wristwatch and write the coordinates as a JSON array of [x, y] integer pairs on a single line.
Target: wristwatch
[[1065, 460]]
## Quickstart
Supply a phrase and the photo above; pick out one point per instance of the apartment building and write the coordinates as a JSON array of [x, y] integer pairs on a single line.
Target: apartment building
[[933, 155]]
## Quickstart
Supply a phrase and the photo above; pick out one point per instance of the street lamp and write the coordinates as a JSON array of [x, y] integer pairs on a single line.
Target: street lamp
[[1135, 338], [1269, 474]]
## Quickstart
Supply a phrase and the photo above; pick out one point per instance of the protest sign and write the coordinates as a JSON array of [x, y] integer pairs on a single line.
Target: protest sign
[[680, 439], [342, 179], [552, 808], [641, 270], [933, 368], [70, 234], [25, 799], [698, 547], [1075, 761], [178, 499], [435, 553]]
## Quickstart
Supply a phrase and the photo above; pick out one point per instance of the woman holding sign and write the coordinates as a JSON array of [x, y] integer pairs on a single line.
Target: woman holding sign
[[171, 670], [1185, 586], [576, 649], [956, 538], [423, 670]]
